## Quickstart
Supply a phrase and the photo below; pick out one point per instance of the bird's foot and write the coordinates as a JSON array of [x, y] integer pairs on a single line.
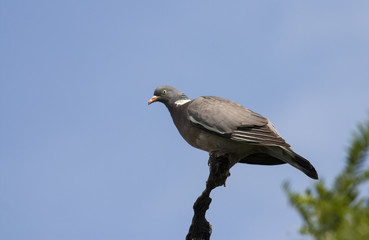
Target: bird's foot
[[219, 164], [217, 154]]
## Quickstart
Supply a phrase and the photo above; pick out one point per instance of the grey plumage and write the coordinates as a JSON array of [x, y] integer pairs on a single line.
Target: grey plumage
[[222, 116], [213, 123]]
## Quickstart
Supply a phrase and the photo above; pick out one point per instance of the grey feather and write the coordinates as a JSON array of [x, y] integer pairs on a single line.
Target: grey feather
[[228, 118], [222, 116]]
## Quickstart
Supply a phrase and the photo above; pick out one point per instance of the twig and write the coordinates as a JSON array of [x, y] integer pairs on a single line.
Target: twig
[[219, 166]]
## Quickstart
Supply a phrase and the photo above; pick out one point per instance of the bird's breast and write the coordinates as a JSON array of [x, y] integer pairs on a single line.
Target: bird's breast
[[194, 136]]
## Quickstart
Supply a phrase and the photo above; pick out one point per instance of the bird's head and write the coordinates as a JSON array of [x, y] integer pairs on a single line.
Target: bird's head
[[167, 95]]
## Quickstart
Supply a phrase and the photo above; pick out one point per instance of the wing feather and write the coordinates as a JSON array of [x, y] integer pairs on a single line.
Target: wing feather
[[264, 136], [221, 115], [229, 119]]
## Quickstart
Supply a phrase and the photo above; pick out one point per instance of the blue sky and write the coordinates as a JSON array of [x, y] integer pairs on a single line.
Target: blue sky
[[82, 156]]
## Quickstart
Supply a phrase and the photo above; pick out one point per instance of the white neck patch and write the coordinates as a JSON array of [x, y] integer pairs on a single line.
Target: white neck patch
[[181, 102]]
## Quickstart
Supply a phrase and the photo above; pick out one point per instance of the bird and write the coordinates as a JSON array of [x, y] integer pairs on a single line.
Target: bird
[[214, 124]]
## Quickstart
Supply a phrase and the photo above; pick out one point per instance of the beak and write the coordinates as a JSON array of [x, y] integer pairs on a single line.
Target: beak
[[153, 99]]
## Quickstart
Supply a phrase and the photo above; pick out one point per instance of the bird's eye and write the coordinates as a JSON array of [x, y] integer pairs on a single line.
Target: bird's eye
[[164, 91]]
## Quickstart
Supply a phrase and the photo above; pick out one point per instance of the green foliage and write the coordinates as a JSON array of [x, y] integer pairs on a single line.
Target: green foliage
[[338, 213]]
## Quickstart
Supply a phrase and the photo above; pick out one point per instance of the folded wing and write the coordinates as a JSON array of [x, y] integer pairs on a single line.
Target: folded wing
[[229, 119]]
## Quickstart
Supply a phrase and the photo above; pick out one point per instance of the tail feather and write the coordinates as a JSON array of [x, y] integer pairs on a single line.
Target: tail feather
[[289, 156], [305, 166]]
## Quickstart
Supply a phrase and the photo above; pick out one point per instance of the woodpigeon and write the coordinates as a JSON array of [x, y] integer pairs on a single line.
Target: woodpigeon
[[216, 124]]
